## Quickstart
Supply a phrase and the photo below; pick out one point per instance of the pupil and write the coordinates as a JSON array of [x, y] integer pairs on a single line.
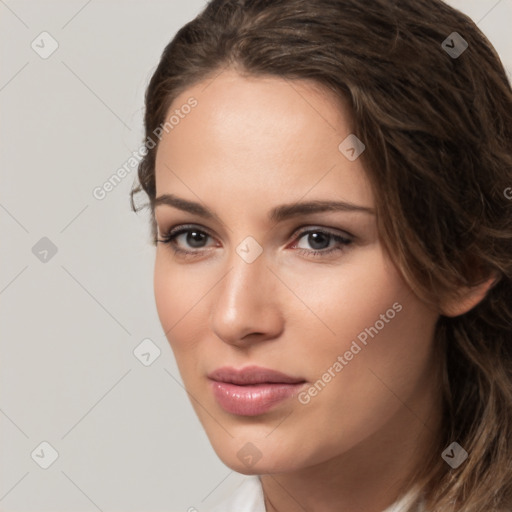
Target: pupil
[[316, 238], [194, 238]]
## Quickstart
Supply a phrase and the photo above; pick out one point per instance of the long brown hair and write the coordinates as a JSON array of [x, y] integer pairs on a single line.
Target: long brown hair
[[438, 134]]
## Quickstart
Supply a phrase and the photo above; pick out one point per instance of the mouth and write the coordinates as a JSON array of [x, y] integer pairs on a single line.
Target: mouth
[[253, 390]]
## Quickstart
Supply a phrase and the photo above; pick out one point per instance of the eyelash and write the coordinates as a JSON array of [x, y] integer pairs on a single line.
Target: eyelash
[[173, 233]]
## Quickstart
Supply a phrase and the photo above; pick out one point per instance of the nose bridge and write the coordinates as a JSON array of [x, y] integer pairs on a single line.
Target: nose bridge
[[247, 280], [246, 299]]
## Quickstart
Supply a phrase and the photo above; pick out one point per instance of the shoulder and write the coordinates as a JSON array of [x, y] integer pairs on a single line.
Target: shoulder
[[247, 497]]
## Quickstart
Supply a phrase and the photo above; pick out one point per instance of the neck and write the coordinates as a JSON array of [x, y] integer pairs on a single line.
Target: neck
[[370, 476]]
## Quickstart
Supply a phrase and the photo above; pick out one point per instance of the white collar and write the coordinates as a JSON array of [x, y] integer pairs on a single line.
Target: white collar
[[248, 497]]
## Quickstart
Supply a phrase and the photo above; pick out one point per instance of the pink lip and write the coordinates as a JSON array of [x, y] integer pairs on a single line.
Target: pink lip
[[251, 390]]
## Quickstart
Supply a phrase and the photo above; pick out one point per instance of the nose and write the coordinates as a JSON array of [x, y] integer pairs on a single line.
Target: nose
[[246, 306]]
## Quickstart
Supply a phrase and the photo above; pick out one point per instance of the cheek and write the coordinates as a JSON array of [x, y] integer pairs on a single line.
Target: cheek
[[383, 333], [372, 387], [177, 297], [165, 290], [349, 299], [383, 365]]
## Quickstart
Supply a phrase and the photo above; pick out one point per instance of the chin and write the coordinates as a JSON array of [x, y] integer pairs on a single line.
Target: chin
[[248, 457], [260, 468]]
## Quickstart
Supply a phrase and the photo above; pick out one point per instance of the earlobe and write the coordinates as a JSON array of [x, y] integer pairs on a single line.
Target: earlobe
[[467, 298]]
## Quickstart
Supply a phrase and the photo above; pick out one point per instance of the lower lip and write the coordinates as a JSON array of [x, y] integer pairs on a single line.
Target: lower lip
[[252, 400]]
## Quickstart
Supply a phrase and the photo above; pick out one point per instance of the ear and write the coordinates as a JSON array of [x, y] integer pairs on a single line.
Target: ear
[[467, 297]]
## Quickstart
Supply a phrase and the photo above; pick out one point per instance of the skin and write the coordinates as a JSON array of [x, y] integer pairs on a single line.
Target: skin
[[250, 144]]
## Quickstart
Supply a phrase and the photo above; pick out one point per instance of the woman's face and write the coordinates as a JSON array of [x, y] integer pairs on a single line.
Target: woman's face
[[340, 322]]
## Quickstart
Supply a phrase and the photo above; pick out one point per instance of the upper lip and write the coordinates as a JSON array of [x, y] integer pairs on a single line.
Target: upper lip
[[251, 375]]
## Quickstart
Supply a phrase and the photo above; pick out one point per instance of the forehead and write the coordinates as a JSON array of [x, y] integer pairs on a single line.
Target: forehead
[[262, 136]]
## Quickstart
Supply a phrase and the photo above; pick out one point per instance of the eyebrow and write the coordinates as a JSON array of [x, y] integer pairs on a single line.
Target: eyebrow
[[277, 214]]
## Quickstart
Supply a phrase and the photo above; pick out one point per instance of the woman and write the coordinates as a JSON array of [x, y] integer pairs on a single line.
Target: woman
[[327, 181]]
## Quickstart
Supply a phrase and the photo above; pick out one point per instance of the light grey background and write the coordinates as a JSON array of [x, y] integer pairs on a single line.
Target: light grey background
[[126, 435]]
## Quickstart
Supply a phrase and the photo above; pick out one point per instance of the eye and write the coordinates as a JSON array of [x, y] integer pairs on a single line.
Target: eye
[[319, 240], [192, 236]]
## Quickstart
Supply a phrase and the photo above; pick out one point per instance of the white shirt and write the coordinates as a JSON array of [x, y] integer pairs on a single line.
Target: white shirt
[[248, 497]]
